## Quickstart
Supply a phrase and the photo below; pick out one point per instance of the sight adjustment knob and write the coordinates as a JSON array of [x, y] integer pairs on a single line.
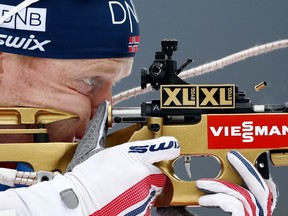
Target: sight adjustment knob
[[169, 45]]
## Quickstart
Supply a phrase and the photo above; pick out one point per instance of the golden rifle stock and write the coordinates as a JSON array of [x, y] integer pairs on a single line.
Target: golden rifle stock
[[214, 117], [193, 141], [51, 156], [46, 156]]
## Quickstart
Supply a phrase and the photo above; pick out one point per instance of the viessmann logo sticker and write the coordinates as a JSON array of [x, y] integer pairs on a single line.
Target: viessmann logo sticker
[[247, 131]]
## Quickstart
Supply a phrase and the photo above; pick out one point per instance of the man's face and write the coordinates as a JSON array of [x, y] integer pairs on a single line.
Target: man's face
[[76, 86]]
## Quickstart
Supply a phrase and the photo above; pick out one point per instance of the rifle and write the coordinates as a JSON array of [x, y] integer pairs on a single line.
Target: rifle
[[41, 154], [207, 120]]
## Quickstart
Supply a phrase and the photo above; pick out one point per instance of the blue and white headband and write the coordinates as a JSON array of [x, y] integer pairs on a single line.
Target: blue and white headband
[[69, 29]]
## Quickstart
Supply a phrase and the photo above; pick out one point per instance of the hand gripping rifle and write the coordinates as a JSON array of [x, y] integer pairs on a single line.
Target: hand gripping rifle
[[207, 120]]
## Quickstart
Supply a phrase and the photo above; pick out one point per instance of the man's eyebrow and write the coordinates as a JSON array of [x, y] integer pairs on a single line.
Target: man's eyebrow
[[118, 59]]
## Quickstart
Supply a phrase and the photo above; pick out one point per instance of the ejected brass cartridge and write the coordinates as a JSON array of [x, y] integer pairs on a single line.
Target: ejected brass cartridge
[[260, 86]]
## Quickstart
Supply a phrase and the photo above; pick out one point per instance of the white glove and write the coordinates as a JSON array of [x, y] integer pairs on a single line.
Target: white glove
[[127, 181], [117, 181], [259, 199]]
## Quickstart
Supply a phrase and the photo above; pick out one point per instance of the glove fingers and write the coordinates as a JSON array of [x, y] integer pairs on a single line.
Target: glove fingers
[[251, 177], [222, 187], [274, 191], [225, 202], [93, 138], [154, 150]]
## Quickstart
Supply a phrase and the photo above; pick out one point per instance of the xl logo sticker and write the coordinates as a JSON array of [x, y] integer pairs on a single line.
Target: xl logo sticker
[[197, 96], [154, 148]]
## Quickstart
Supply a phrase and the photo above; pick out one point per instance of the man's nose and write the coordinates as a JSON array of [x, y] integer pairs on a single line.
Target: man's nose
[[99, 99]]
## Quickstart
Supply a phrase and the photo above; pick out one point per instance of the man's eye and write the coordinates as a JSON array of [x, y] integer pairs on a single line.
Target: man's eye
[[89, 81]]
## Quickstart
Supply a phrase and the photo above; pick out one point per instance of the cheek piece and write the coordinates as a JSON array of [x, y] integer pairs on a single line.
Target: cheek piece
[[69, 29]]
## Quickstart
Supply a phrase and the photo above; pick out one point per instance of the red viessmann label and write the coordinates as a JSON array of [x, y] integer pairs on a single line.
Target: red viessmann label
[[247, 131]]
